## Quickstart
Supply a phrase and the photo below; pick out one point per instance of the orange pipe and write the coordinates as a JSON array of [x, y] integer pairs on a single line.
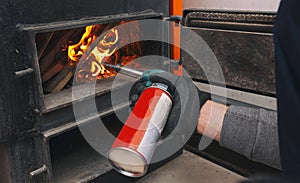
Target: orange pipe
[[176, 9]]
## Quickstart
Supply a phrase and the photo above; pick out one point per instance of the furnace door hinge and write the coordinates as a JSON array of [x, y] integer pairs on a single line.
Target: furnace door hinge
[[175, 18]]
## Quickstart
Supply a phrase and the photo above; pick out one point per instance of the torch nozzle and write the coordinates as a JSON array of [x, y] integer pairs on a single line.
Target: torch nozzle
[[125, 70], [116, 67]]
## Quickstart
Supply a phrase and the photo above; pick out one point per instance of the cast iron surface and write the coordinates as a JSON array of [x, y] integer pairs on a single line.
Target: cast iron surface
[[192, 16], [246, 57], [242, 17], [61, 25], [17, 101]]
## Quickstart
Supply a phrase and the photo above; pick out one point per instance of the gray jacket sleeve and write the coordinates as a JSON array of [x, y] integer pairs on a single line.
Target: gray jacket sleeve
[[253, 133]]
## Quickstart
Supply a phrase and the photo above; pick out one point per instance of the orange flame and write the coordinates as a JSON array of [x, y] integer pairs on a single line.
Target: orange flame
[[104, 49], [99, 52], [76, 51], [91, 67]]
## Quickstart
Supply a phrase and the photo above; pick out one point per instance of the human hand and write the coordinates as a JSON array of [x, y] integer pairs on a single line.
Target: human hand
[[211, 119]]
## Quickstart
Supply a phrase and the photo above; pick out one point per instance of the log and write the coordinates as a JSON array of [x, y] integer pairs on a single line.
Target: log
[[47, 58], [44, 44], [55, 52], [53, 71], [55, 76], [60, 80], [63, 82]]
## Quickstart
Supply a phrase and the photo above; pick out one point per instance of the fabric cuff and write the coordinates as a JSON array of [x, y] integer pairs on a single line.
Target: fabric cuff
[[239, 130]]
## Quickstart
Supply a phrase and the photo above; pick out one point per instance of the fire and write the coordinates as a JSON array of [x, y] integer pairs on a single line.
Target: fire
[[99, 52], [76, 51], [105, 50], [91, 67]]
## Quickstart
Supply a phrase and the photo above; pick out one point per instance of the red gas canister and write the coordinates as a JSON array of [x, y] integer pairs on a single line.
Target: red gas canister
[[132, 151]]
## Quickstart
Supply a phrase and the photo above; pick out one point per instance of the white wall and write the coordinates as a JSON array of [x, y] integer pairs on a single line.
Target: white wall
[[243, 5]]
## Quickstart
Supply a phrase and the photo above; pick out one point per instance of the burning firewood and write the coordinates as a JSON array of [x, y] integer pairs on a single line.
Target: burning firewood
[[56, 51], [65, 49], [60, 80], [53, 71]]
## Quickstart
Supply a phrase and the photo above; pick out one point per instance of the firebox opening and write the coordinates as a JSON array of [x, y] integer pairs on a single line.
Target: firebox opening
[[57, 48], [61, 52]]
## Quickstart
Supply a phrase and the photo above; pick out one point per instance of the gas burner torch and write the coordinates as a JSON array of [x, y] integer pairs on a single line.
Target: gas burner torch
[[133, 148]]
